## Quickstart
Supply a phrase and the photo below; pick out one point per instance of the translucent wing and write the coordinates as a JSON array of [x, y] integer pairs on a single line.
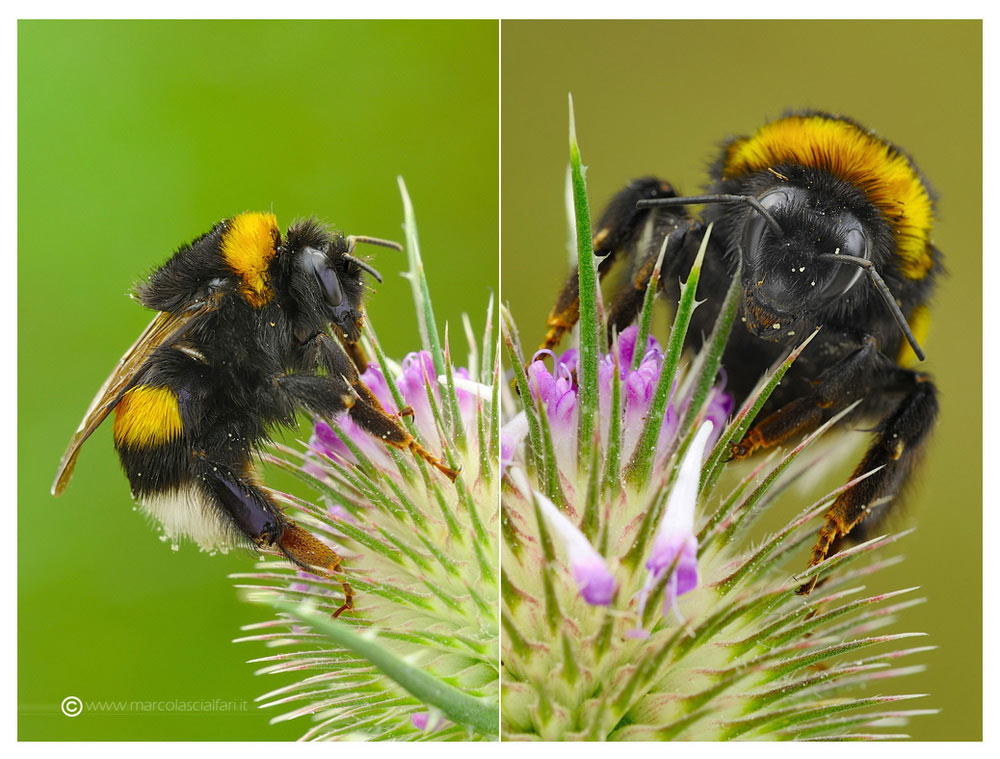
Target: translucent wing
[[162, 330]]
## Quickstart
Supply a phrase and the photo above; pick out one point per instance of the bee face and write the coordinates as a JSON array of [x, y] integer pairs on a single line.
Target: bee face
[[787, 285], [325, 283], [336, 288]]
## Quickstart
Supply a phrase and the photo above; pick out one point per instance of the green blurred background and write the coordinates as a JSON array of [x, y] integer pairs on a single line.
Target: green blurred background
[[134, 137], [657, 98]]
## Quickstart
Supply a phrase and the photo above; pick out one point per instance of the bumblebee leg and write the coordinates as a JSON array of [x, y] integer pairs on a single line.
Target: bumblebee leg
[[627, 303], [263, 523], [305, 550], [620, 228], [252, 511], [357, 355], [370, 416], [896, 448], [342, 389], [835, 389]]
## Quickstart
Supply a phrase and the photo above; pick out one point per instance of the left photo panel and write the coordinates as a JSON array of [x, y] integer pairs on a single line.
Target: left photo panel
[[258, 367]]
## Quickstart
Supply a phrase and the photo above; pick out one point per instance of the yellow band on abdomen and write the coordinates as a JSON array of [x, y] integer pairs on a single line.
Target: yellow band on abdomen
[[147, 416]]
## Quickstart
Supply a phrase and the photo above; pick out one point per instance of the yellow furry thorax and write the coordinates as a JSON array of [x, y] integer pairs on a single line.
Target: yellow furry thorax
[[249, 244], [848, 152]]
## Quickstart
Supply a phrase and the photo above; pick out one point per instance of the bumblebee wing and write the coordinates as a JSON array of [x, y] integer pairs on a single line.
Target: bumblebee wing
[[164, 328]]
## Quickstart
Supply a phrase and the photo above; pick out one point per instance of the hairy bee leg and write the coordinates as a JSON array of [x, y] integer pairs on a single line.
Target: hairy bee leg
[[370, 416], [835, 389], [246, 504], [619, 229], [566, 311], [348, 392], [896, 448], [263, 523], [357, 355], [328, 396], [627, 303], [308, 552]]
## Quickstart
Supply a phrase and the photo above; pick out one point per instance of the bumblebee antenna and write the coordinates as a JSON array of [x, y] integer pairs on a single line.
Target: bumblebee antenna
[[694, 200], [362, 265], [353, 240], [883, 290]]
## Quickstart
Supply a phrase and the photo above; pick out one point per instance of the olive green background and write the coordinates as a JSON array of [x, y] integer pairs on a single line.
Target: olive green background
[[134, 137], [657, 98]]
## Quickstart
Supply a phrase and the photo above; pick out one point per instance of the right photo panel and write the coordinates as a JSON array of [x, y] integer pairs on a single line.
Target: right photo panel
[[741, 443]]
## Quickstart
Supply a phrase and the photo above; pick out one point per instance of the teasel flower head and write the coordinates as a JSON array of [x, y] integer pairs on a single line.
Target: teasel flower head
[[637, 601], [417, 656]]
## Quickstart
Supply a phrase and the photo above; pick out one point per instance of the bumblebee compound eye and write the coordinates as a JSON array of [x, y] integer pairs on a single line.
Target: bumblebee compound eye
[[852, 242], [329, 283], [761, 218]]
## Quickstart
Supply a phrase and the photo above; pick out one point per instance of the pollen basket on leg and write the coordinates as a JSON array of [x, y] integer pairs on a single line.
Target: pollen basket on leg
[[249, 244], [147, 416]]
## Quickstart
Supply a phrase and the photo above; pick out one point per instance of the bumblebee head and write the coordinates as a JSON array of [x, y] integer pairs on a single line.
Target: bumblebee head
[[789, 243], [325, 279]]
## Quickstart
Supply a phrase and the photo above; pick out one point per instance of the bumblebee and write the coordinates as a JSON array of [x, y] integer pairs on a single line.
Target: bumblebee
[[250, 328], [830, 227]]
